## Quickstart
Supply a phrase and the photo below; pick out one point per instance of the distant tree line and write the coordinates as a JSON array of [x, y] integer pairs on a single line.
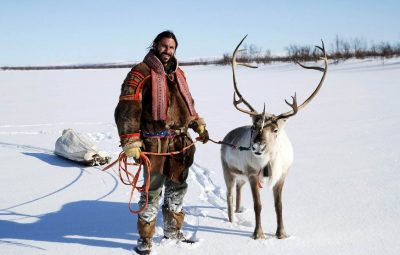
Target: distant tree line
[[339, 50]]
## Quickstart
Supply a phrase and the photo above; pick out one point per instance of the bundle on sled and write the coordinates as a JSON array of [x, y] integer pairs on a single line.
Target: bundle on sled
[[78, 147]]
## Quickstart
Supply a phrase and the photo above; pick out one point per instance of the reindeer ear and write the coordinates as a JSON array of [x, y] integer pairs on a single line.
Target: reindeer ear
[[255, 118]]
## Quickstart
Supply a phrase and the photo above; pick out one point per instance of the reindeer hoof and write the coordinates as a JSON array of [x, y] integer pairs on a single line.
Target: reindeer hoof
[[258, 235], [281, 234]]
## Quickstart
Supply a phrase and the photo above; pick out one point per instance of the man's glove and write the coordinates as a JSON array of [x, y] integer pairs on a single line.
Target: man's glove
[[203, 133], [133, 149], [199, 126]]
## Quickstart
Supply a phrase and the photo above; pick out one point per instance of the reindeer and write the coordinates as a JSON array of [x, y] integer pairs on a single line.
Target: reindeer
[[270, 153]]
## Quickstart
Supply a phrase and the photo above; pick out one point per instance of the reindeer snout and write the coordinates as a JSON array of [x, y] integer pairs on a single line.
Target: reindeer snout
[[258, 148]]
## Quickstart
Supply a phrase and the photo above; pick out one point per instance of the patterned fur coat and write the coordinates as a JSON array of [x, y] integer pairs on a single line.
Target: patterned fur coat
[[136, 116]]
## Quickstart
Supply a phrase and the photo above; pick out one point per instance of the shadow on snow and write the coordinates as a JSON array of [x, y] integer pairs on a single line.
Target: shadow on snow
[[93, 223]]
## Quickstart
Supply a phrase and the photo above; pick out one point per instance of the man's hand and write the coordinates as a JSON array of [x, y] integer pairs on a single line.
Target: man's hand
[[199, 126], [133, 149], [203, 133]]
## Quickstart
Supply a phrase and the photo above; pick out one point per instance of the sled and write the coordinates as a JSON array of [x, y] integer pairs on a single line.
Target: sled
[[78, 147]]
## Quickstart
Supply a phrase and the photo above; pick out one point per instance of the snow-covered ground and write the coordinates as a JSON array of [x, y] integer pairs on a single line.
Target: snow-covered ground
[[342, 194]]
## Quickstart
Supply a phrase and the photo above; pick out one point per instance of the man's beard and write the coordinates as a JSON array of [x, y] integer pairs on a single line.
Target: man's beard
[[160, 57]]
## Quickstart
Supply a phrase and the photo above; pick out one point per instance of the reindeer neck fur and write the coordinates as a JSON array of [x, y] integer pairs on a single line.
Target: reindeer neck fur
[[281, 158]]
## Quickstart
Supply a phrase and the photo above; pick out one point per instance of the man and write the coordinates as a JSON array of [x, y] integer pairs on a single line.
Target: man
[[154, 113]]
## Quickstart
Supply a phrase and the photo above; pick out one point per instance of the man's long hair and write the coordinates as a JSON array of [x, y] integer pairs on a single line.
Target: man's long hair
[[160, 36]]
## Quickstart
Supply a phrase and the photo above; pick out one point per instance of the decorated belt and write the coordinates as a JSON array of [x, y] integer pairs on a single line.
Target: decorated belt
[[169, 133]]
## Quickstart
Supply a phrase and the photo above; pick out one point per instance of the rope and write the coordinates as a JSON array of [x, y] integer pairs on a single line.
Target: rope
[[234, 146], [132, 179]]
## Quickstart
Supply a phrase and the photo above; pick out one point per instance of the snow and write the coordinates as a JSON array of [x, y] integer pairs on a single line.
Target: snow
[[341, 195]]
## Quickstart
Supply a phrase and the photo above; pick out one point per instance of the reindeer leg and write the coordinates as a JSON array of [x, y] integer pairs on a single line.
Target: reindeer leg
[[239, 185], [230, 182], [229, 199], [280, 230], [258, 232]]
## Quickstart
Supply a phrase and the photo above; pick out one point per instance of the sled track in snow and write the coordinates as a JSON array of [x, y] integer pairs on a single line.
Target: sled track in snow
[[26, 147], [30, 148]]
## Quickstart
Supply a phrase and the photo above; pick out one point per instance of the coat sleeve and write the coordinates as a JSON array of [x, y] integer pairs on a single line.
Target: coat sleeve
[[129, 108], [195, 120]]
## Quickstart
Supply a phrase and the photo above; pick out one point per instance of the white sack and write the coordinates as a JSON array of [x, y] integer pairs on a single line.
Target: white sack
[[78, 147]]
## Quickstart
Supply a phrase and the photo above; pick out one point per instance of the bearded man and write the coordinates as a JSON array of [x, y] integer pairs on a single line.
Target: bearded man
[[154, 113]]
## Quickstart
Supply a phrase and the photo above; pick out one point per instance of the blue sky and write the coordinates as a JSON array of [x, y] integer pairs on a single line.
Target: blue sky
[[43, 32]]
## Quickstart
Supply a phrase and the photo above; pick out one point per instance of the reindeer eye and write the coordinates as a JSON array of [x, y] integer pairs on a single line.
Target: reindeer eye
[[276, 130]]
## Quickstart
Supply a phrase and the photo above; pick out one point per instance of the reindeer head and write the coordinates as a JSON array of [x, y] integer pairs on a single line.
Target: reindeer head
[[264, 132], [266, 127]]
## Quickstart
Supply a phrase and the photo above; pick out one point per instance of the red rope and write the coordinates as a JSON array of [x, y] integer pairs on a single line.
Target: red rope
[[132, 179]]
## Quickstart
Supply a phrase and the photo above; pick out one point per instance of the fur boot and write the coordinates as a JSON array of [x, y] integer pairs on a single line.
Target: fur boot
[[173, 223], [146, 231]]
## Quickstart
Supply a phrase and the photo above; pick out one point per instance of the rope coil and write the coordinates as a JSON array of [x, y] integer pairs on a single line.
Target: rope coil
[[133, 178]]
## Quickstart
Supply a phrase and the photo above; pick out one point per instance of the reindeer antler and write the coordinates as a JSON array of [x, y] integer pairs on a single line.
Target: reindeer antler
[[251, 110], [294, 106]]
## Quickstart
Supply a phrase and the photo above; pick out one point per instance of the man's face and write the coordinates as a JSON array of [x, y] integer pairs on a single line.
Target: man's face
[[166, 49]]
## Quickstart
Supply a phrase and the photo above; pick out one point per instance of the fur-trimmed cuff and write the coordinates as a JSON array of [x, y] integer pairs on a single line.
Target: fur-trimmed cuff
[[130, 139], [200, 121], [136, 144], [196, 123]]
